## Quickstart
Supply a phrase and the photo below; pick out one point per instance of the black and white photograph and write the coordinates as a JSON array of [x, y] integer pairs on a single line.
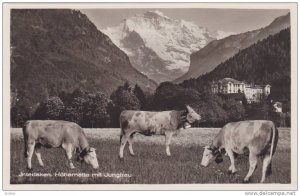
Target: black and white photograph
[[185, 96]]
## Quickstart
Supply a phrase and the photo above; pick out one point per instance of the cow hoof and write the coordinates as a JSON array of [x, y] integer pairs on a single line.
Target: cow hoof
[[29, 168], [246, 181], [121, 158], [133, 155], [229, 172]]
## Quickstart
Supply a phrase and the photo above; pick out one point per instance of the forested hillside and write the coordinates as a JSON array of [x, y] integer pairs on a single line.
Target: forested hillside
[[62, 50], [266, 62], [218, 51]]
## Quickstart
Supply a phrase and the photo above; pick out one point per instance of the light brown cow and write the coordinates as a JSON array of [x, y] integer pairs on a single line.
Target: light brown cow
[[258, 136], [165, 123], [57, 134]]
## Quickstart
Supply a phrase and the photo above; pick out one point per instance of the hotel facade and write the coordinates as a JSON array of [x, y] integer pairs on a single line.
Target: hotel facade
[[252, 92]]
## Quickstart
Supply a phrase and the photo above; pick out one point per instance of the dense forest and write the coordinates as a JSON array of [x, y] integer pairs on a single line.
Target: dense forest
[[266, 62]]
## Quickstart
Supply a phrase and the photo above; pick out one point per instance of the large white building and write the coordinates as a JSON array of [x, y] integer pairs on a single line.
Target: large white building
[[253, 93]]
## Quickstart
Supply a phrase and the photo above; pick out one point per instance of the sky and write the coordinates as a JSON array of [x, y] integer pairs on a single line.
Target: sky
[[228, 20]]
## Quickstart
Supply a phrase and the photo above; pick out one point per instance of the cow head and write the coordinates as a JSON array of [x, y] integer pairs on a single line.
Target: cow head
[[88, 155], [209, 154], [191, 115]]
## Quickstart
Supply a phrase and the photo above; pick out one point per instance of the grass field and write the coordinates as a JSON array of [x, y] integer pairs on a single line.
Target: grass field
[[150, 165]]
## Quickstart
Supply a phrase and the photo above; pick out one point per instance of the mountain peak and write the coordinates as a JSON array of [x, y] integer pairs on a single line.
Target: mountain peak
[[155, 14], [170, 42]]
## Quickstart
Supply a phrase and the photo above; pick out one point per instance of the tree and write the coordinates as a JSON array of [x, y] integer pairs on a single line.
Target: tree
[[54, 108], [122, 99], [211, 112], [17, 116], [75, 111], [96, 110], [126, 86], [139, 93], [234, 109], [170, 96]]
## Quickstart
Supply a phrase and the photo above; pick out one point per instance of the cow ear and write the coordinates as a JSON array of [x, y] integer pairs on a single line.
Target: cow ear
[[187, 106]]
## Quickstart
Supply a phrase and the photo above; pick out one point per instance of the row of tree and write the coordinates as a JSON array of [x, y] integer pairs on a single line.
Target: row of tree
[[96, 109], [85, 108]]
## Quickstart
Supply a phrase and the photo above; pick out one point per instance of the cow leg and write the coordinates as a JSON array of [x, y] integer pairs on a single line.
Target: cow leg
[[37, 151], [30, 150], [124, 140], [168, 141], [130, 142], [266, 168], [69, 153], [232, 168], [252, 166]]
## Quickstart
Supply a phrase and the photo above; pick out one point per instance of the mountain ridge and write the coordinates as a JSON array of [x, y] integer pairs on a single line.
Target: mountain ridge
[[266, 62], [61, 50], [218, 51]]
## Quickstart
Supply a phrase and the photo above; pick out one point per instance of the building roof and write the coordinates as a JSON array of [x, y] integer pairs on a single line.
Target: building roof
[[227, 80], [234, 81], [257, 86]]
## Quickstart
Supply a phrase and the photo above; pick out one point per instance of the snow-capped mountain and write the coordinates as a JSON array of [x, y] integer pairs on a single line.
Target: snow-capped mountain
[[159, 46]]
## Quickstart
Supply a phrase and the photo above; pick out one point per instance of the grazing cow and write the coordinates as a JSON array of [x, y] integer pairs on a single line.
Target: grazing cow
[[258, 136], [57, 134], [154, 123]]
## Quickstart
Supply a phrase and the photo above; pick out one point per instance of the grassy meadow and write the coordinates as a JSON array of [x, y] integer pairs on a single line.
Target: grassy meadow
[[149, 166]]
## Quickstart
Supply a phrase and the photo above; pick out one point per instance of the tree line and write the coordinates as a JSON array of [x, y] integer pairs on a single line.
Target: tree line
[[97, 110]]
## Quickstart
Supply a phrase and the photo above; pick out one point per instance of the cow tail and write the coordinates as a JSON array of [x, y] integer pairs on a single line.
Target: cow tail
[[273, 148], [25, 135]]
